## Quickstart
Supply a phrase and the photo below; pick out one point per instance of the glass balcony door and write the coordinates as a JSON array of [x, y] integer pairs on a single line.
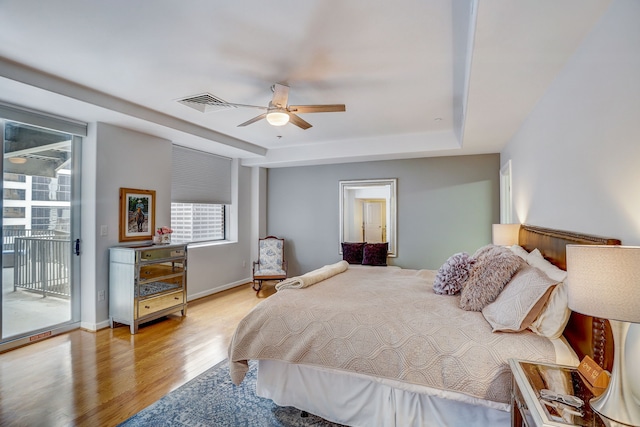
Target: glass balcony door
[[39, 294]]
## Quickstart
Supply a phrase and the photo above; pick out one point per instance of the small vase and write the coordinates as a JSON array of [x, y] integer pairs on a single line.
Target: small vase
[[157, 240], [166, 239]]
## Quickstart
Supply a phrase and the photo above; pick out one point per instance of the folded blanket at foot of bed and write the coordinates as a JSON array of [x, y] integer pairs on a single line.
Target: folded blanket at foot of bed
[[313, 277]]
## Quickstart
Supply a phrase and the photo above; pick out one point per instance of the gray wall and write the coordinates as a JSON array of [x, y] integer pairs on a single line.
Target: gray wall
[[445, 205]]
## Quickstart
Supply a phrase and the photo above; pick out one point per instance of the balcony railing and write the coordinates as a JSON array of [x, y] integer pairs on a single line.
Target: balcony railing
[[41, 264]]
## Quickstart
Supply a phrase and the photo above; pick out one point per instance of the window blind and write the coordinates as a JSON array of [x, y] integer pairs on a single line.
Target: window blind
[[200, 177]]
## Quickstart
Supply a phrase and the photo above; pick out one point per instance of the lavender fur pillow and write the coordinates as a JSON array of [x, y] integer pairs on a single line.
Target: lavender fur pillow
[[494, 267], [453, 273]]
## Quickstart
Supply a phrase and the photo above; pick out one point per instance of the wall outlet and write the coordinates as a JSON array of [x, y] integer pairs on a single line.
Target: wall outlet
[[101, 295], [244, 264], [104, 230]]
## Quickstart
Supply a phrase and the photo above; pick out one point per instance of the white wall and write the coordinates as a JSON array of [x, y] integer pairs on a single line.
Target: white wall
[[114, 157], [576, 159]]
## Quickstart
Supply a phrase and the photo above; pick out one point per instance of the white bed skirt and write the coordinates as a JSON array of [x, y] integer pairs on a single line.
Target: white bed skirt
[[358, 400]]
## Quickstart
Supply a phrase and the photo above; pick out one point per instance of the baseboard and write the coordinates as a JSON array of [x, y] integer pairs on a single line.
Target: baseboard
[[217, 289], [94, 326]]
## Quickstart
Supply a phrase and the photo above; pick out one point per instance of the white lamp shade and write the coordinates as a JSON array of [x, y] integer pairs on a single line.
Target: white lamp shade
[[505, 234], [604, 281], [277, 118]]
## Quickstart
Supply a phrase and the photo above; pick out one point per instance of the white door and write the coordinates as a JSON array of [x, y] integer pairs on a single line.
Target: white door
[[373, 213]]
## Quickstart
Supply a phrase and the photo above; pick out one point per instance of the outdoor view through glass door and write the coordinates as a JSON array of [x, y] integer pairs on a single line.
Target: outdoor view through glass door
[[37, 231]]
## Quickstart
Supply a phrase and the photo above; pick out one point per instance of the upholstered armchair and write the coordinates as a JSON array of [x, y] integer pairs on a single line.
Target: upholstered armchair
[[271, 264]]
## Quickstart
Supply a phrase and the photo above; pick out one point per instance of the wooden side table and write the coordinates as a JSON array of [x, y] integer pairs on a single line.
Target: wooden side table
[[528, 409]]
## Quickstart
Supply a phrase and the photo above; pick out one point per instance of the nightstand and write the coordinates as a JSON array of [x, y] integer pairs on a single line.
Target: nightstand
[[528, 409]]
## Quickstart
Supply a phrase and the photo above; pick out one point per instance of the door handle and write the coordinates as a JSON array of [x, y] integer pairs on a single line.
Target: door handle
[[76, 250]]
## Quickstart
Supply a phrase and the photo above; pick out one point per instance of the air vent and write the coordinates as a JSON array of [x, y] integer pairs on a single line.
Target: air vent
[[205, 103]]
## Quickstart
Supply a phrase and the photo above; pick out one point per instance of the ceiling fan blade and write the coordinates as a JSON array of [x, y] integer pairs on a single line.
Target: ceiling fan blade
[[296, 120], [280, 95], [329, 108], [255, 119]]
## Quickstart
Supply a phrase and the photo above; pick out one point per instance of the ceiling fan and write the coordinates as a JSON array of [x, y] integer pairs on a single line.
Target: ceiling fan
[[279, 112]]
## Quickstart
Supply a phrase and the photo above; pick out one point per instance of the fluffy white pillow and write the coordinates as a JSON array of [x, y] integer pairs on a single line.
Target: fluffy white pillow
[[520, 301], [520, 251], [555, 314], [536, 259]]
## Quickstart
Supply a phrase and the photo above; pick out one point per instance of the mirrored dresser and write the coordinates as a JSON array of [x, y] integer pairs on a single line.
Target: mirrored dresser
[[146, 283]]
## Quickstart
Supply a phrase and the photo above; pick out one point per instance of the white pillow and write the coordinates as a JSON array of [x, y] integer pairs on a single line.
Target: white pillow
[[520, 302], [555, 314], [536, 259], [520, 251]]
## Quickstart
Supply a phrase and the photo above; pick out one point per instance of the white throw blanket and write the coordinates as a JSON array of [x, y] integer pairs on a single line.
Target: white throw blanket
[[313, 277]]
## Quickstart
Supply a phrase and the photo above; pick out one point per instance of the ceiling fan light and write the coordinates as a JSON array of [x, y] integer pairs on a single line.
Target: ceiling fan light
[[277, 118]]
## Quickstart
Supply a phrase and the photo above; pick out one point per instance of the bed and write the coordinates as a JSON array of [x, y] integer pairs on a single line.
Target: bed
[[376, 346]]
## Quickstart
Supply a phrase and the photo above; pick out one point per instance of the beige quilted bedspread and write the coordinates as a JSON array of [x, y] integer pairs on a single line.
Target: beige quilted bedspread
[[385, 323]]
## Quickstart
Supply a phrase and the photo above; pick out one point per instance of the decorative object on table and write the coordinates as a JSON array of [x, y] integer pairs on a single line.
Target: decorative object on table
[[593, 373], [505, 234], [604, 281], [137, 214], [164, 233]]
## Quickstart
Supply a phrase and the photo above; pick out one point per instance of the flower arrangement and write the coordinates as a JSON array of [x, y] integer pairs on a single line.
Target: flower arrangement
[[164, 230], [164, 234]]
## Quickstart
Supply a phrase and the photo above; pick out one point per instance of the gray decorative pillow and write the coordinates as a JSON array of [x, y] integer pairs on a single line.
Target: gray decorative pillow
[[494, 267], [452, 274]]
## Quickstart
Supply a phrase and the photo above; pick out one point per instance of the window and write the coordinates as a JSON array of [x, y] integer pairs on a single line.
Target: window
[[47, 189], [196, 222], [13, 212], [14, 194], [200, 191], [50, 218]]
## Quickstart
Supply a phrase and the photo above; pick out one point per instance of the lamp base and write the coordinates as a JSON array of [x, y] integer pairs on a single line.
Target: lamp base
[[618, 402]]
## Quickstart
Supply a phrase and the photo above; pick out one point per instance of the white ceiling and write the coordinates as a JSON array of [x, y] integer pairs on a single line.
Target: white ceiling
[[418, 77]]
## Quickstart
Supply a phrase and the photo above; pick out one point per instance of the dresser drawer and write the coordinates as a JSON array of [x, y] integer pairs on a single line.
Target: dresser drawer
[[153, 271], [152, 305], [156, 253]]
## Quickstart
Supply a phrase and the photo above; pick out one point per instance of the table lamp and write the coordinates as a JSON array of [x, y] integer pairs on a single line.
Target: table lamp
[[505, 234], [604, 281]]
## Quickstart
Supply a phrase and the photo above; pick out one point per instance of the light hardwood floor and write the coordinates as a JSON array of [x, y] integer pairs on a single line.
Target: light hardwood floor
[[101, 378]]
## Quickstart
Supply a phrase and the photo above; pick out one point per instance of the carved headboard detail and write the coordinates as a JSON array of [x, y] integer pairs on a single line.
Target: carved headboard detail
[[586, 334]]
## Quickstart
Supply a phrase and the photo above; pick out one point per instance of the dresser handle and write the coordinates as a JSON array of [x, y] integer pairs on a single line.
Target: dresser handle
[[147, 307], [176, 298]]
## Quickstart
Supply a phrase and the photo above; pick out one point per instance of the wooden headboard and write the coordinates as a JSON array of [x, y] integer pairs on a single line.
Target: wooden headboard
[[587, 335]]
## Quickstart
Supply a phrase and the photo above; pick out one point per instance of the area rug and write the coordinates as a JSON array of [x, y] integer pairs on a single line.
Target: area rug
[[211, 399]]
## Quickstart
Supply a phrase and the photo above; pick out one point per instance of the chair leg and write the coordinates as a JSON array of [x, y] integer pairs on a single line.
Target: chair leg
[[259, 285]]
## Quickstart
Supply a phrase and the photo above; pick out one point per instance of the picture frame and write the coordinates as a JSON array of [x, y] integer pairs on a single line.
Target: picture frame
[[137, 214]]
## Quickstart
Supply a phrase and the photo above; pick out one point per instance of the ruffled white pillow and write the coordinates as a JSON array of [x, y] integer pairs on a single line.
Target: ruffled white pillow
[[555, 314]]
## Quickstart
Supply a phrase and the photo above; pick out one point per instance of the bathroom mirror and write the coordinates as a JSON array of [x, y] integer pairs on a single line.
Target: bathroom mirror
[[368, 212]]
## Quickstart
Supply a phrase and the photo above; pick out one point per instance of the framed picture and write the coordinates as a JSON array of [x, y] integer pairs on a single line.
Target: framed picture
[[137, 214]]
